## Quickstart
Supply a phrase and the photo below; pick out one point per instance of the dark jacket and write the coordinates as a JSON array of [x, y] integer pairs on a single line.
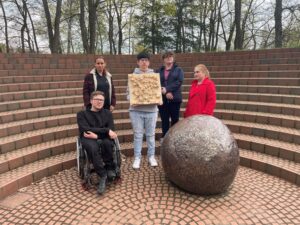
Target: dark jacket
[[89, 85], [98, 122], [173, 83]]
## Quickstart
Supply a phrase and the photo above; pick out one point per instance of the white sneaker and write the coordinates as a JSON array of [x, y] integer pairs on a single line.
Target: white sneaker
[[136, 163], [152, 161]]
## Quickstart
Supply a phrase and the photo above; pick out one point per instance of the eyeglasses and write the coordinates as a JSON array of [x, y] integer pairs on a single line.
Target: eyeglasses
[[98, 100]]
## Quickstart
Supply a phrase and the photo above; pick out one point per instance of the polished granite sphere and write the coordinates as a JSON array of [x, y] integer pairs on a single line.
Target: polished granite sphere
[[200, 155]]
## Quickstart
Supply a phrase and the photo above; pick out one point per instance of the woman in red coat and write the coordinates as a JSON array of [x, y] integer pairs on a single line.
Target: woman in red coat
[[202, 95]]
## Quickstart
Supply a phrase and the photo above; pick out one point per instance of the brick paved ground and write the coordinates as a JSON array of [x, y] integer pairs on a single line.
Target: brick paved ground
[[146, 197]]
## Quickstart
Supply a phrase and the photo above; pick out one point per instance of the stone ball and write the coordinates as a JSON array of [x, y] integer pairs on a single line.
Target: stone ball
[[200, 155]]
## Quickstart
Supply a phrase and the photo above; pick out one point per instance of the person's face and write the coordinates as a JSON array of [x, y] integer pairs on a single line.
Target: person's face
[[143, 64], [198, 74], [100, 65], [169, 60], [97, 102]]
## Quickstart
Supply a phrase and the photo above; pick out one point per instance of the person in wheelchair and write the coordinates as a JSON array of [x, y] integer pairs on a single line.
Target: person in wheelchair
[[96, 127]]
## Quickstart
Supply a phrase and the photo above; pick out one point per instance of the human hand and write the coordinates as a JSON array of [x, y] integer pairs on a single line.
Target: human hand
[[169, 96], [163, 90], [111, 108], [90, 134], [112, 134]]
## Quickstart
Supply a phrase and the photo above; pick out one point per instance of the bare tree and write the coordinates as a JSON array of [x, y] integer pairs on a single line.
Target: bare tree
[[278, 24], [89, 35], [238, 42], [53, 33], [5, 24]]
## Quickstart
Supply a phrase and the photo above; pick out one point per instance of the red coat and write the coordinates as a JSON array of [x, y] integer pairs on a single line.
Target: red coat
[[202, 98]]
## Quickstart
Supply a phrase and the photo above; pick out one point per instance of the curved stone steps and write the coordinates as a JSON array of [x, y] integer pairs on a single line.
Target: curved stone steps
[[20, 157], [121, 68], [25, 62], [121, 90], [290, 135], [249, 136], [47, 93], [47, 78], [274, 89], [259, 117], [121, 98], [23, 126], [275, 166], [37, 112], [284, 128], [286, 109], [293, 88], [39, 86], [11, 128], [269, 146], [23, 176], [122, 76], [42, 72]]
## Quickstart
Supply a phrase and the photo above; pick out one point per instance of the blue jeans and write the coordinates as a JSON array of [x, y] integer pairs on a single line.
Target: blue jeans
[[143, 121]]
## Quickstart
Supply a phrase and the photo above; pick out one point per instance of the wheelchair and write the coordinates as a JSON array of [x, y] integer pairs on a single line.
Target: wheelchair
[[85, 166]]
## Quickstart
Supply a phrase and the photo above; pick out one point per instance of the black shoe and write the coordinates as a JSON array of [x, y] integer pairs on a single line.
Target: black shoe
[[102, 185], [111, 175]]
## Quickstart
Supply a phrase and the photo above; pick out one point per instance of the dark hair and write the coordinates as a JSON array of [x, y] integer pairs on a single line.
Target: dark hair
[[143, 55], [104, 70], [95, 93], [168, 54]]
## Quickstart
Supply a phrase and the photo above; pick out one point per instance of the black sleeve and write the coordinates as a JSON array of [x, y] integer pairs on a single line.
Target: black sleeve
[[84, 126], [111, 124]]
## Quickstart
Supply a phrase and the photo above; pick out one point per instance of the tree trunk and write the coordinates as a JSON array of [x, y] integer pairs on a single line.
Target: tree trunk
[[49, 25], [6, 29], [54, 37], [84, 33], [56, 41], [278, 24], [119, 22], [33, 29], [92, 24], [238, 33], [153, 35], [70, 20]]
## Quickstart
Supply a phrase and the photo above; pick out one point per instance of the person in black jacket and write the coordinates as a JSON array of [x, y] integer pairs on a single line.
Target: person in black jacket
[[171, 78], [96, 128]]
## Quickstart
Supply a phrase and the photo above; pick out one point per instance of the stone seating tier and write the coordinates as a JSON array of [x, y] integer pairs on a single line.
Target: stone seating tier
[[257, 98]]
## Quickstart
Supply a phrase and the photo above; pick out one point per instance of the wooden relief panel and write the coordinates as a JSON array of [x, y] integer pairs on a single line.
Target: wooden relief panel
[[144, 89]]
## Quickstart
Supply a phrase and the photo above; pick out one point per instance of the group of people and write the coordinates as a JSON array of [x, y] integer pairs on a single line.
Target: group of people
[[96, 121]]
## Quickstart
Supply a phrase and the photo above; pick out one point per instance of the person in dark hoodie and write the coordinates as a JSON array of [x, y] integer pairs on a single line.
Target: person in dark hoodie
[[171, 78], [96, 129], [143, 117], [99, 79]]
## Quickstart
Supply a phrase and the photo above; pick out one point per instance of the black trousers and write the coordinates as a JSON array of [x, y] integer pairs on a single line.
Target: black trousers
[[102, 160], [169, 110]]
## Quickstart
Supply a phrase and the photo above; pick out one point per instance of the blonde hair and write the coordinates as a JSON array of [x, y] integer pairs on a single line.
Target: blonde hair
[[202, 68]]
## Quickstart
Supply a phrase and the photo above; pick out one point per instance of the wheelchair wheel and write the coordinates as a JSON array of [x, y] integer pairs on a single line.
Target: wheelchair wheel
[[80, 158], [117, 158], [86, 172]]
